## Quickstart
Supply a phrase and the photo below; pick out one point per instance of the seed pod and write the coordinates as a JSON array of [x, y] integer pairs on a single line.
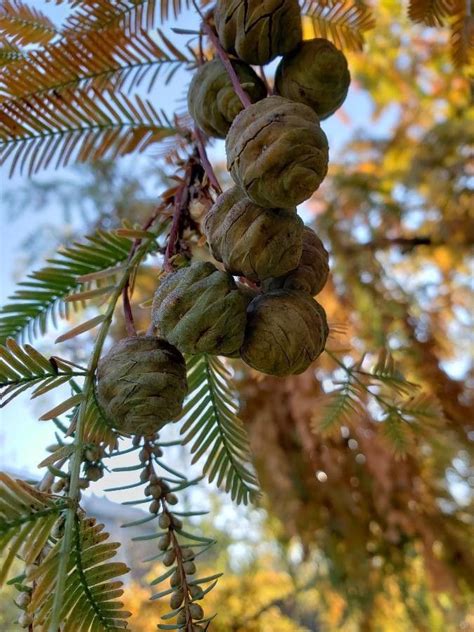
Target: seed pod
[[277, 152], [212, 101], [257, 31], [142, 384], [169, 558], [177, 599], [315, 74], [253, 241], [196, 611], [181, 618], [200, 310], [312, 272], [286, 331], [25, 620], [177, 522]]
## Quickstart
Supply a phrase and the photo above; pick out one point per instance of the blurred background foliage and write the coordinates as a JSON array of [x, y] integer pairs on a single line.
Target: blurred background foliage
[[368, 501]]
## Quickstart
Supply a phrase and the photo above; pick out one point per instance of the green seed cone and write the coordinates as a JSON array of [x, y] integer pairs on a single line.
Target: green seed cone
[[315, 74], [257, 31], [141, 384], [200, 310], [312, 272], [212, 101], [253, 241], [277, 152], [286, 331]]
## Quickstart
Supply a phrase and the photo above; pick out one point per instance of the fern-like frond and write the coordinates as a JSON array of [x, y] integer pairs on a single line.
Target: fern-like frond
[[430, 12], [81, 125], [337, 407], [387, 372], [103, 61], [99, 15], [41, 298], [97, 428], [214, 431], [23, 24], [462, 39], [26, 519], [9, 53], [23, 368], [344, 22], [91, 591]]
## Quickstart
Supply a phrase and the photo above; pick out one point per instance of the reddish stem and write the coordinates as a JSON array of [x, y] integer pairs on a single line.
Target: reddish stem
[[179, 199], [243, 96], [201, 143]]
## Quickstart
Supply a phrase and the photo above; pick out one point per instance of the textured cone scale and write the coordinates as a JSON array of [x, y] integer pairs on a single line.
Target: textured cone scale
[[252, 241], [200, 310], [212, 101], [286, 331], [277, 152], [257, 31], [312, 272], [315, 74], [141, 384]]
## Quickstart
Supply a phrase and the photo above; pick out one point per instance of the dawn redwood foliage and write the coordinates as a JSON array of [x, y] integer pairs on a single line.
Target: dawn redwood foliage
[[68, 95]]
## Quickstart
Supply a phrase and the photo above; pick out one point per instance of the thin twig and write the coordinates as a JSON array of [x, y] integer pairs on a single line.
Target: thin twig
[[208, 168]]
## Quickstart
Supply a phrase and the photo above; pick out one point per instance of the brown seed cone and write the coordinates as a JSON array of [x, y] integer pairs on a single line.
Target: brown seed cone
[[200, 310], [212, 101], [257, 31], [277, 152], [141, 384], [315, 74], [286, 331], [312, 272], [252, 241]]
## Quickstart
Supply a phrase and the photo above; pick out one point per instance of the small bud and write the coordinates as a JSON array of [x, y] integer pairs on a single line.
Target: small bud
[[175, 579], [136, 441], [164, 521], [164, 542], [23, 600], [147, 491], [164, 486], [58, 486], [25, 620], [171, 499], [177, 523], [177, 599], [181, 617], [155, 506], [143, 455], [189, 568], [196, 611], [157, 451], [92, 453], [154, 479], [94, 473], [169, 558], [83, 483], [198, 628], [145, 475], [196, 592], [188, 555], [155, 490]]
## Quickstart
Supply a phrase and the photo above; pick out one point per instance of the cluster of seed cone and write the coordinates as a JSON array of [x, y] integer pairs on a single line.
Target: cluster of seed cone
[[277, 155]]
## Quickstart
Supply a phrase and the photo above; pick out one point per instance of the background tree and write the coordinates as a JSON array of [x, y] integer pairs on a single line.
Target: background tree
[[365, 460]]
